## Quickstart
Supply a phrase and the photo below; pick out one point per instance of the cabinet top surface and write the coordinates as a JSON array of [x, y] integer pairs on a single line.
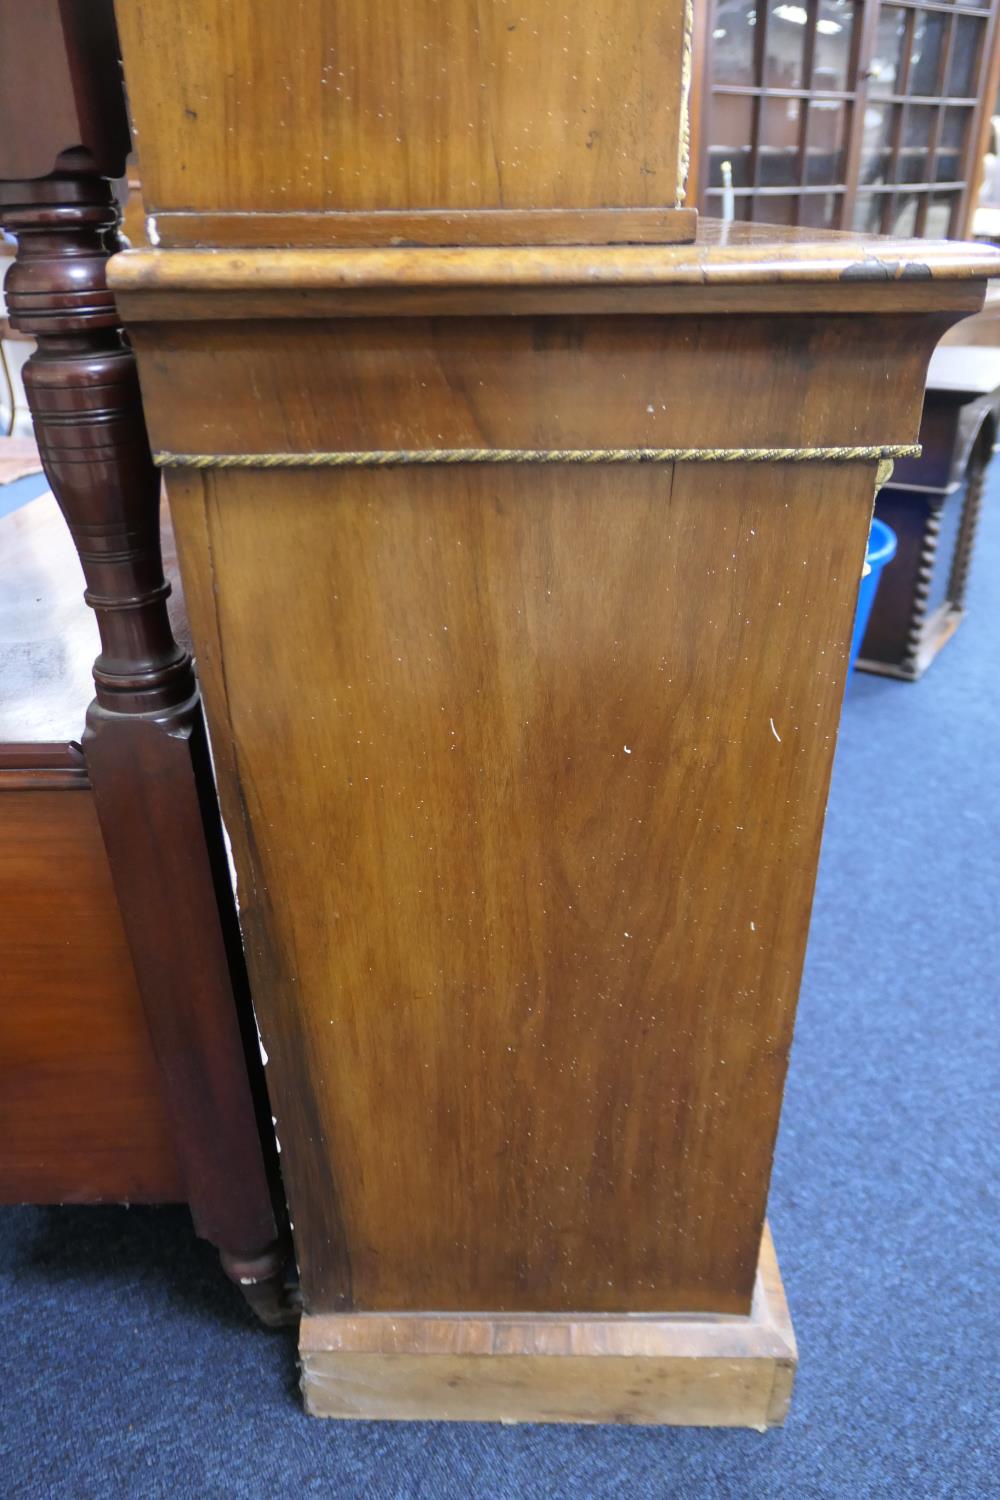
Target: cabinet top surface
[[723, 255]]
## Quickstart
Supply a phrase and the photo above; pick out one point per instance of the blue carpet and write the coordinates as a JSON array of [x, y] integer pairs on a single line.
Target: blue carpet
[[20, 491], [132, 1369]]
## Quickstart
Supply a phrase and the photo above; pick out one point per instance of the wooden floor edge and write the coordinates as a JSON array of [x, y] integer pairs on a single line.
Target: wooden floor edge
[[675, 1370]]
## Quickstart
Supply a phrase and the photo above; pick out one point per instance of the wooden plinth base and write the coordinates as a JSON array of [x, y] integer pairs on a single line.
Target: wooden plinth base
[[683, 1370]]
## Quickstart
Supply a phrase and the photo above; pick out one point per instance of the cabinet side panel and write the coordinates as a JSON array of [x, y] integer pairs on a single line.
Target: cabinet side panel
[[533, 764]]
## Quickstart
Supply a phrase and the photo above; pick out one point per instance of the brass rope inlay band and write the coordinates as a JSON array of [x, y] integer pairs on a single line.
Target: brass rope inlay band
[[422, 457], [883, 473], [684, 128]]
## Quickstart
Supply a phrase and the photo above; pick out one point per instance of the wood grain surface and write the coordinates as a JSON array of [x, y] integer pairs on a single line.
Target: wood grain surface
[[531, 813], [543, 382], [713, 1371], [83, 1117], [731, 268], [724, 255], [435, 104], [525, 768]]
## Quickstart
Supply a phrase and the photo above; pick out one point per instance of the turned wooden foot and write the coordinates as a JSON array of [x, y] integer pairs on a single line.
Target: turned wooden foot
[[267, 1282]]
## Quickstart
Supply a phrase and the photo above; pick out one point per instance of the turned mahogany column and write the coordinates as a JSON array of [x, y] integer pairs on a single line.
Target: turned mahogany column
[[145, 743]]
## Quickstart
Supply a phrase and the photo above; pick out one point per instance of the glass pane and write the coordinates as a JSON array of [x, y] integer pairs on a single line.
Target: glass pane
[[820, 210], [939, 212], [825, 147], [732, 42], [914, 161], [876, 136], [887, 54], [732, 131], [832, 57], [779, 209], [928, 41], [786, 43], [779, 144], [970, 34], [868, 213], [951, 148], [905, 215]]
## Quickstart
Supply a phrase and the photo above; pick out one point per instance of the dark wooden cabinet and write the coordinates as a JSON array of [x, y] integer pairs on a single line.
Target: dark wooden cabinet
[[932, 505]]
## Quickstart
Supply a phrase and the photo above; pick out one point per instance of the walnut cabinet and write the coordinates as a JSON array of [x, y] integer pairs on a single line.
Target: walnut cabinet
[[521, 557]]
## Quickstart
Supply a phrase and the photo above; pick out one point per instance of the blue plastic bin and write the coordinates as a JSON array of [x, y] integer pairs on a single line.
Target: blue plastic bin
[[881, 550]]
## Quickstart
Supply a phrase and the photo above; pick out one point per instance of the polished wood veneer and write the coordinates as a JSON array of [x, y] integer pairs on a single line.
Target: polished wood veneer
[[82, 1111], [513, 850], [521, 543], [712, 1371], [425, 116], [526, 820]]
